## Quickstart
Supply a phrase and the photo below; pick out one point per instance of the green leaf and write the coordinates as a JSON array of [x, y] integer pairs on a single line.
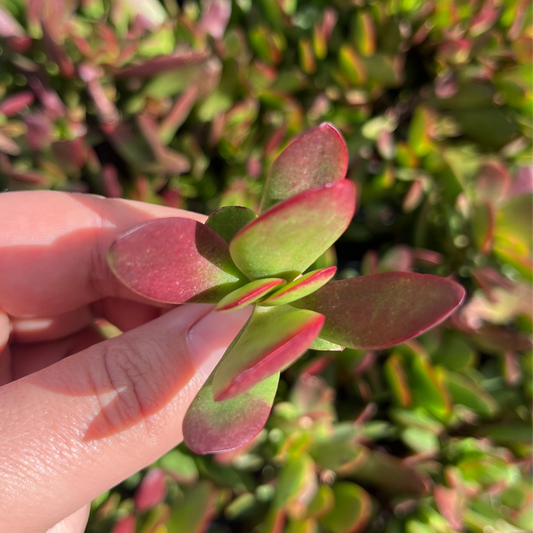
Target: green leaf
[[352, 66], [322, 503], [397, 378], [286, 239], [181, 466], [453, 353], [466, 392], [390, 474], [293, 479], [174, 260], [250, 293], [420, 441], [491, 127], [339, 450], [351, 511], [270, 341], [300, 287], [419, 128], [314, 159], [483, 227], [195, 511], [227, 221], [416, 418], [514, 221], [213, 427], [428, 386], [378, 311], [325, 346]]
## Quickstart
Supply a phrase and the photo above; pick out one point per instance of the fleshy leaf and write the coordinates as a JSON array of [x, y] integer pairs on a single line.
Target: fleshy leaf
[[375, 312], [293, 479], [164, 63], [227, 221], [338, 451], [212, 427], [514, 221], [351, 509], [321, 503], [466, 392], [174, 260], [288, 238], [391, 474], [194, 512], [151, 490], [314, 159], [273, 338], [483, 226], [300, 287], [250, 293], [325, 346], [397, 379]]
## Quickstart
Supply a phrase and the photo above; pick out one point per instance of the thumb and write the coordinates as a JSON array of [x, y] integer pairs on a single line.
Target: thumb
[[82, 425]]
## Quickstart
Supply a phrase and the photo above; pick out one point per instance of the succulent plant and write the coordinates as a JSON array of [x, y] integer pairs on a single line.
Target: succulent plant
[[238, 258]]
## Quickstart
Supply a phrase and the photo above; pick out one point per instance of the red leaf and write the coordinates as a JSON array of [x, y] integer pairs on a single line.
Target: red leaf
[[271, 340], [174, 260], [14, 104], [248, 294], [301, 286], [375, 312], [128, 524], [163, 64], [316, 158], [151, 491]]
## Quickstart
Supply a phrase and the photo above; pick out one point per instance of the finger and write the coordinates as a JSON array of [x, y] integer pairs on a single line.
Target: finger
[[84, 424], [54, 327], [53, 249], [125, 314], [29, 358], [75, 523], [122, 313]]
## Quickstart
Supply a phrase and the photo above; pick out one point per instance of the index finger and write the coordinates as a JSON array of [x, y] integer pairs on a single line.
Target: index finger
[[53, 248]]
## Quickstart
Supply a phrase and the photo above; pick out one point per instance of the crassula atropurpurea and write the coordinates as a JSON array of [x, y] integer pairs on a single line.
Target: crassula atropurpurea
[[238, 258]]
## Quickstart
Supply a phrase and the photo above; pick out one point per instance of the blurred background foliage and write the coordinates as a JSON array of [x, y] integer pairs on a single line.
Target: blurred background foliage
[[187, 103]]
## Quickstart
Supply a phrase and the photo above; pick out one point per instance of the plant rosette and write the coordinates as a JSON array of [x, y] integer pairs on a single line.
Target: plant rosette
[[238, 258]]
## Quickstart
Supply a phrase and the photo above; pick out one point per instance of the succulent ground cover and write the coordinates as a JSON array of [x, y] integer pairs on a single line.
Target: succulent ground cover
[[238, 259], [189, 104]]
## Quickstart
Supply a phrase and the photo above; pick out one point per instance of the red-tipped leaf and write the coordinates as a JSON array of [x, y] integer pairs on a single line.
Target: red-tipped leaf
[[174, 260], [213, 427], [14, 104], [288, 238], [300, 287], [250, 293], [316, 158], [378, 311], [272, 339], [152, 67]]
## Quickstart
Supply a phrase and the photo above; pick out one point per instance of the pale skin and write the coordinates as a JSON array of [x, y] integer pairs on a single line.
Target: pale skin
[[79, 413]]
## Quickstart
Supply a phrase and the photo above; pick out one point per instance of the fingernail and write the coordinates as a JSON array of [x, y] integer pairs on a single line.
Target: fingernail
[[211, 335]]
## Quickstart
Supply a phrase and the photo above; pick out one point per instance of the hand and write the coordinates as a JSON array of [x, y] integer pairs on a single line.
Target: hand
[[78, 413]]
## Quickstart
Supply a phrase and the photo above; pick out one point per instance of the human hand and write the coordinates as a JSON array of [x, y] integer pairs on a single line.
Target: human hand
[[78, 413]]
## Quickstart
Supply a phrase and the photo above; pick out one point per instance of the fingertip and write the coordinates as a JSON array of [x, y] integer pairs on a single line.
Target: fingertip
[[209, 337]]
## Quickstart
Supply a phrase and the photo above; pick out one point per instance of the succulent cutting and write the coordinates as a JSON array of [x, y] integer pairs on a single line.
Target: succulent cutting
[[268, 261]]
